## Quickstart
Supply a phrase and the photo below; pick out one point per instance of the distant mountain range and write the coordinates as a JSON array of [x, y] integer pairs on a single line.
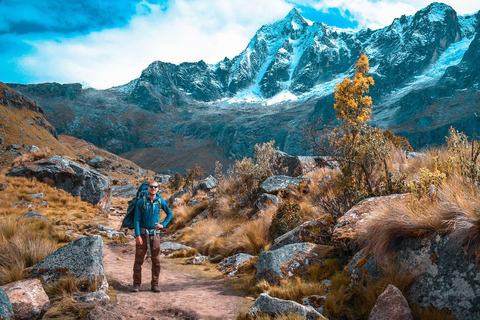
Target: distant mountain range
[[426, 69]]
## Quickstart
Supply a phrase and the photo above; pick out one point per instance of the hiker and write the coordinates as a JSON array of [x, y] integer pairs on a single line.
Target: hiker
[[147, 234]]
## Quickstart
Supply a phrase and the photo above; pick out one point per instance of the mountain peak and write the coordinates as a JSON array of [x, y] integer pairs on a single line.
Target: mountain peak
[[295, 16], [436, 11]]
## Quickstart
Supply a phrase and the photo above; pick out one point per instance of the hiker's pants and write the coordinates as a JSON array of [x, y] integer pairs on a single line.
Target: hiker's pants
[[140, 251]]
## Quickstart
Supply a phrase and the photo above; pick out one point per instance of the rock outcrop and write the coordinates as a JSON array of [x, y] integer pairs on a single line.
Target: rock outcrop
[[289, 260], [274, 184], [391, 305], [265, 199], [70, 176], [81, 258], [231, 265], [317, 231], [6, 311], [29, 300], [267, 305]]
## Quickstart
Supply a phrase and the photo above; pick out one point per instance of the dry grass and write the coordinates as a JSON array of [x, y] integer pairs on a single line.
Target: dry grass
[[430, 313], [183, 214], [292, 289], [65, 307], [184, 253], [65, 286], [389, 224], [23, 243]]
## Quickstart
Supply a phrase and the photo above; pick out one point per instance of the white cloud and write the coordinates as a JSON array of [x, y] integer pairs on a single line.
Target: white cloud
[[185, 31]]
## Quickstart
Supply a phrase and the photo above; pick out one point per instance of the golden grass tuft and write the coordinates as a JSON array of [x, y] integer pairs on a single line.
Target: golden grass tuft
[[64, 286], [389, 224], [65, 307], [184, 253], [28, 157], [250, 236], [292, 289], [430, 313], [183, 214]]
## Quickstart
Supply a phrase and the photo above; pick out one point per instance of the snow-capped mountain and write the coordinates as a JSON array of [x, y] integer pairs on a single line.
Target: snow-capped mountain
[[425, 67]]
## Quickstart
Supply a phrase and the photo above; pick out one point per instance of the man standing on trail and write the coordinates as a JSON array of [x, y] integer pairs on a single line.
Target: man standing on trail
[[147, 234]]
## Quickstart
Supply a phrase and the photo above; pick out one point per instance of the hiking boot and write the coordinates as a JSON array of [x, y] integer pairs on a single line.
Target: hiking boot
[[156, 288], [136, 287]]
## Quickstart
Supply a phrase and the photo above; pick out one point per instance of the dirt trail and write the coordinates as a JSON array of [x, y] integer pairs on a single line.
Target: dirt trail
[[183, 296]]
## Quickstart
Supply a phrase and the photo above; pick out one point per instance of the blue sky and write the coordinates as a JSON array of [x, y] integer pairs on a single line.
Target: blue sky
[[107, 43]]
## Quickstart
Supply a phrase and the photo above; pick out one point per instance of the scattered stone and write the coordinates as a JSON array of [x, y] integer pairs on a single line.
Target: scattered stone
[[162, 178], [267, 305], [14, 147], [99, 313], [351, 222], [200, 217], [97, 296], [317, 231], [24, 205], [70, 176], [294, 166], [231, 265], [3, 186], [391, 305], [289, 260], [36, 195], [274, 184], [167, 248], [413, 155], [265, 199], [206, 184], [28, 299], [33, 215], [97, 162], [33, 149], [199, 260], [6, 311], [108, 232], [316, 302], [81, 258], [128, 190]]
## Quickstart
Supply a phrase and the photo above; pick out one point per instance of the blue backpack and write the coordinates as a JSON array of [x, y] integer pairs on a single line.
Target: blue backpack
[[142, 192]]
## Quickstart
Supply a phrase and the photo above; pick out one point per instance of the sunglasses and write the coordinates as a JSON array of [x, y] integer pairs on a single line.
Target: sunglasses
[[153, 187]]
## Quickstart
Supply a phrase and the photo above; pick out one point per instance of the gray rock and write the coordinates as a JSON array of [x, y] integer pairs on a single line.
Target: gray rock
[[33, 215], [70, 176], [274, 184], [24, 205], [265, 199], [14, 147], [391, 305], [268, 305], [198, 260], [28, 298], [289, 260], [168, 248], [97, 162], [3, 186], [317, 231], [128, 190], [200, 217], [6, 311], [446, 277], [81, 258], [33, 149], [362, 264], [36, 195], [97, 296], [316, 302], [162, 178], [232, 264], [109, 232]]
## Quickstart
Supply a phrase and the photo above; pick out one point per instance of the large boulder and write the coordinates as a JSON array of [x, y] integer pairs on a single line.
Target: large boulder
[[127, 190], [317, 231], [270, 306], [350, 224], [445, 276], [167, 248], [81, 258], [391, 305], [6, 311], [29, 300], [274, 184], [70, 176], [97, 162], [298, 165], [289, 260]]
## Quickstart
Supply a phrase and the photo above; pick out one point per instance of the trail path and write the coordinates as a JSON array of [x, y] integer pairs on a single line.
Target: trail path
[[184, 295]]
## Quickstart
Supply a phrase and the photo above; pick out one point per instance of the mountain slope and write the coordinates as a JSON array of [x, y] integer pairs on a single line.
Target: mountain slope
[[424, 67]]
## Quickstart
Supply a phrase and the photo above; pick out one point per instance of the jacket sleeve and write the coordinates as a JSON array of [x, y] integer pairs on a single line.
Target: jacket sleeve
[[136, 218], [167, 210]]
